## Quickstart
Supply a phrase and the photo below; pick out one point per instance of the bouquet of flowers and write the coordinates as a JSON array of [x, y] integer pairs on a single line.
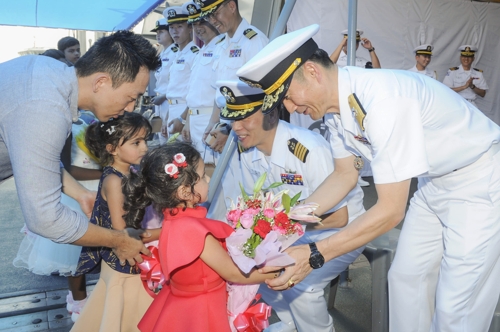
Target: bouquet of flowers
[[265, 224]]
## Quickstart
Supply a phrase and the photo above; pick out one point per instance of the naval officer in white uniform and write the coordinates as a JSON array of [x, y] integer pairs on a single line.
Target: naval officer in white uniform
[[301, 160], [466, 81], [447, 266], [423, 54]]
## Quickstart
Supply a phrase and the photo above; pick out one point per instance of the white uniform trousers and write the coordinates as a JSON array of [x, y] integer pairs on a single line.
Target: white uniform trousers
[[175, 111], [446, 273], [162, 112], [197, 126], [304, 305]]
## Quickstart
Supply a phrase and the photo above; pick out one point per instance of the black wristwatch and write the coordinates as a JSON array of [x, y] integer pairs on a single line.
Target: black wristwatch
[[316, 260], [371, 49]]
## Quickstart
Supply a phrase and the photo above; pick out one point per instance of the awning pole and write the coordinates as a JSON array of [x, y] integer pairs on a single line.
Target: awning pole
[[232, 140], [352, 26]]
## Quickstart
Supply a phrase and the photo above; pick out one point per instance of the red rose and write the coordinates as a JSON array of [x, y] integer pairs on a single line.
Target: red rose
[[262, 228], [281, 220]]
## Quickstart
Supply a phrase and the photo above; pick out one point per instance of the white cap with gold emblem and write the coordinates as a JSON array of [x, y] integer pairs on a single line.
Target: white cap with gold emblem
[[467, 50], [425, 49], [241, 99], [271, 69]]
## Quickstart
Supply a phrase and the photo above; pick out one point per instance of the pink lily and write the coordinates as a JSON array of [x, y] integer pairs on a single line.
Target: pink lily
[[304, 212]]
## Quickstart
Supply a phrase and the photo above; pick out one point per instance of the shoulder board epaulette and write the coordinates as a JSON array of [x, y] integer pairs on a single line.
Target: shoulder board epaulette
[[298, 149], [249, 33], [220, 40], [175, 49], [195, 49], [479, 70], [453, 68]]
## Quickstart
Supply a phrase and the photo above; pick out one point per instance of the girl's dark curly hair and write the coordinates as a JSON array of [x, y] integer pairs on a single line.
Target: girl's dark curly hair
[[115, 132], [152, 185]]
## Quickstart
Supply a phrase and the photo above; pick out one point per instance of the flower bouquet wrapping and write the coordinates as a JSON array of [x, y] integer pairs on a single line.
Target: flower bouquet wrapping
[[265, 224]]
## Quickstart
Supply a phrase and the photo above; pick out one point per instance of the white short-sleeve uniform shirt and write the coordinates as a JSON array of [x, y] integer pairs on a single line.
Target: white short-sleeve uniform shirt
[[180, 71], [232, 53], [342, 60], [414, 126], [297, 175], [426, 72], [457, 76]]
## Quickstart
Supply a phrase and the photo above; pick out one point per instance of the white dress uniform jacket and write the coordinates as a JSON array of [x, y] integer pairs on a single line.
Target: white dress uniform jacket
[[162, 75], [178, 84], [303, 305], [426, 72], [342, 60], [457, 76], [448, 251], [200, 98]]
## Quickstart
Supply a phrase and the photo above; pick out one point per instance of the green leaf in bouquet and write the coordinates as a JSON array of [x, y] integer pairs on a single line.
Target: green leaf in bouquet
[[243, 193], [273, 185], [295, 198], [285, 200], [260, 182]]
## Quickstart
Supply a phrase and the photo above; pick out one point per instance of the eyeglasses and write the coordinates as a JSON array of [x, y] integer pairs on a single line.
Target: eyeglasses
[[215, 13]]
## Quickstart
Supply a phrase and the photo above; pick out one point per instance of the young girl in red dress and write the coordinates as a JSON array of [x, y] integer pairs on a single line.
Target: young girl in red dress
[[191, 249]]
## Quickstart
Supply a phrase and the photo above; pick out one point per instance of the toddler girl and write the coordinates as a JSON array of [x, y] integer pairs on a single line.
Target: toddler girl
[[191, 248], [118, 300]]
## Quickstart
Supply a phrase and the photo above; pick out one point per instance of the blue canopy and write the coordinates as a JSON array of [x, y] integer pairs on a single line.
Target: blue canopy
[[91, 15]]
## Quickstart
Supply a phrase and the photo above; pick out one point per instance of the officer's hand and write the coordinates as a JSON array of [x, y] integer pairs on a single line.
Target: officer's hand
[[176, 126], [129, 246], [164, 130], [220, 140], [186, 135], [207, 131], [158, 100], [293, 274], [366, 43]]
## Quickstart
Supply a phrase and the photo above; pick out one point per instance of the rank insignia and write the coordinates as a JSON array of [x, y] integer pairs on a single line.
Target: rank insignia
[[235, 53], [362, 139], [293, 179], [357, 110], [175, 49], [298, 149], [195, 49], [249, 33]]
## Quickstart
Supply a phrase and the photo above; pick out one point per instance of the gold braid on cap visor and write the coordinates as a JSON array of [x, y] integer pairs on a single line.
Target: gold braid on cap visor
[[233, 111], [295, 64], [424, 53], [210, 8]]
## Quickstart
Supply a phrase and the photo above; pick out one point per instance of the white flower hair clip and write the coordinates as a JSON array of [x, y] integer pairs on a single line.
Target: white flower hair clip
[[111, 130], [172, 168]]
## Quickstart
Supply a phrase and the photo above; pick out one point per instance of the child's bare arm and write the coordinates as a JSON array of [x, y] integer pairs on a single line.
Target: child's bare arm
[[112, 192], [154, 234], [219, 260]]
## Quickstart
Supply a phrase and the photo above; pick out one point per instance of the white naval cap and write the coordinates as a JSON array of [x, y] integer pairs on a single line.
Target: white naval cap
[[467, 50], [241, 99], [271, 69], [160, 24], [358, 33], [193, 11], [175, 14], [425, 49]]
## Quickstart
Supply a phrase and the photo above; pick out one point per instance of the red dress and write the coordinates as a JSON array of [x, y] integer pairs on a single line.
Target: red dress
[[195, 297]]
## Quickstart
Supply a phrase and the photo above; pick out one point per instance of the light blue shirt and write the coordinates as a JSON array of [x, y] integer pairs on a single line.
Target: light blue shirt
[[38, 103]]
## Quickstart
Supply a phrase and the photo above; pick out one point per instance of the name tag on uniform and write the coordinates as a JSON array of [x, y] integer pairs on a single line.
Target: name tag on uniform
[[164, 59], [293, 179], [208, 54], [180, 61], [235, 53]]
